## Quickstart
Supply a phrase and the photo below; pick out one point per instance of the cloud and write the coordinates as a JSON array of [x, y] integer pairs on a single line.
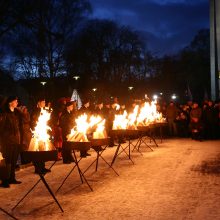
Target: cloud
[[164, 20]]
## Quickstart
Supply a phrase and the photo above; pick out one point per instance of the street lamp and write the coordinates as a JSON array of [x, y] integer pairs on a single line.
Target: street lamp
[[76, 77], [155, 97], [130, 87], [173, 97], [43, 83], [94, 89]]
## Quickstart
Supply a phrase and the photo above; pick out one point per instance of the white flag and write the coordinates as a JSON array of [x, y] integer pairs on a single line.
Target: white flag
[[75, 97]]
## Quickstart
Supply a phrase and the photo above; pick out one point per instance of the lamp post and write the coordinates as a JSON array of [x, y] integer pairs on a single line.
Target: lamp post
[[130, 89], [76, 77], [173, 97], [43, 83], [94, 93]]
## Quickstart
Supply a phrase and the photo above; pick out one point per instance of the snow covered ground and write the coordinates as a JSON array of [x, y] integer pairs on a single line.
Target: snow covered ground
[[178, 180]]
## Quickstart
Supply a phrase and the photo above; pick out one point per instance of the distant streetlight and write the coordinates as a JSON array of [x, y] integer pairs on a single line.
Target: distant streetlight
[[76, 77], [130, 87], [173, 97], [94, 89], [161, 93], [155, 97], [43, 83]]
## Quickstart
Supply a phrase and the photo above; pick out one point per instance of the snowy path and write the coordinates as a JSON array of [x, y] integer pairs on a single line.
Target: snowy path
[[178, 180]]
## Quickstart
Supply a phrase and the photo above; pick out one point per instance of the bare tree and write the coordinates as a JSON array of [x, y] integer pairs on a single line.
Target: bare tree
[[104, 51], [38, 46]]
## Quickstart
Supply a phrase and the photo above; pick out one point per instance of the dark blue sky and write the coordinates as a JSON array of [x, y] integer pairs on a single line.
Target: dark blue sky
[[166, 25]]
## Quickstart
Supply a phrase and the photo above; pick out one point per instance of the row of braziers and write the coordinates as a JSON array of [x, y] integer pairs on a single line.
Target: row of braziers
[[99, 145]]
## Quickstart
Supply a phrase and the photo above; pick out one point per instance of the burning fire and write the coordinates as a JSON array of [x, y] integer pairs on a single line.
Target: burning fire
[[132, 118], [41, 139], [148, 114], [139, 117], [78, 133], [120, 122], [1, 157], [100, 131], [85, 125]]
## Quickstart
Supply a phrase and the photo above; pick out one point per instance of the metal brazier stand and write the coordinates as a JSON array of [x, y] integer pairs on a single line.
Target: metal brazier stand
[[121, 134], [3, 175], [77, 146], [99, 146], [37, 157]]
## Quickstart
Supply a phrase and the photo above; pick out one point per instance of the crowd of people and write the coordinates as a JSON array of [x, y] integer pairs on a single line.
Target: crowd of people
[[16, 123], [199, 122]]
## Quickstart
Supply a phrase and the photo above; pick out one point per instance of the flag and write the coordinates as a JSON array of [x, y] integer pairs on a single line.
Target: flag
[[75, 97]]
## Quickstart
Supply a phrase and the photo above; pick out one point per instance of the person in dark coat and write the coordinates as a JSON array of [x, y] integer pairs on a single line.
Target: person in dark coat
[[109, 116], [86, 107], [210, 119], [171, 114], [10, 138], [182, 124], [67, 122], [196, 124], [26, 134], [100, 109]]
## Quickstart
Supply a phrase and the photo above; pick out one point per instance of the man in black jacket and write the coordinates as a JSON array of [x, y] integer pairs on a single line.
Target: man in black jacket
[[67, 122], [10, 137]]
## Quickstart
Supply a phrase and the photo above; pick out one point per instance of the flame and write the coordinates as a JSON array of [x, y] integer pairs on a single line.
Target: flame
[[100, 131], [120, 121], [41, 139], [94, 120], [117, 107], [140, 116], [148, 114], [1, 157], [85, 125], [79, 132], [126, 121], [81, 123], [132, 118]]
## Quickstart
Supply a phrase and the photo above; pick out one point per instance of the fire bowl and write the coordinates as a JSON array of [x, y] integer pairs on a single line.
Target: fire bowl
[[100, 142], [160, 124], [124, 132], [39, 156], [78, 145], [143, 128]]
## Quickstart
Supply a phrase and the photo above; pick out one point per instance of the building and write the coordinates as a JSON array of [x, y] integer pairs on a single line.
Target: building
[[215, 48]]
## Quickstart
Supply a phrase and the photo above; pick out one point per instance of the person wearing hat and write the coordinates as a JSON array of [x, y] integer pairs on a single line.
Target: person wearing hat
[[100, 109], [196, 124], [67, 122], [86, 107], [10, 138]]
